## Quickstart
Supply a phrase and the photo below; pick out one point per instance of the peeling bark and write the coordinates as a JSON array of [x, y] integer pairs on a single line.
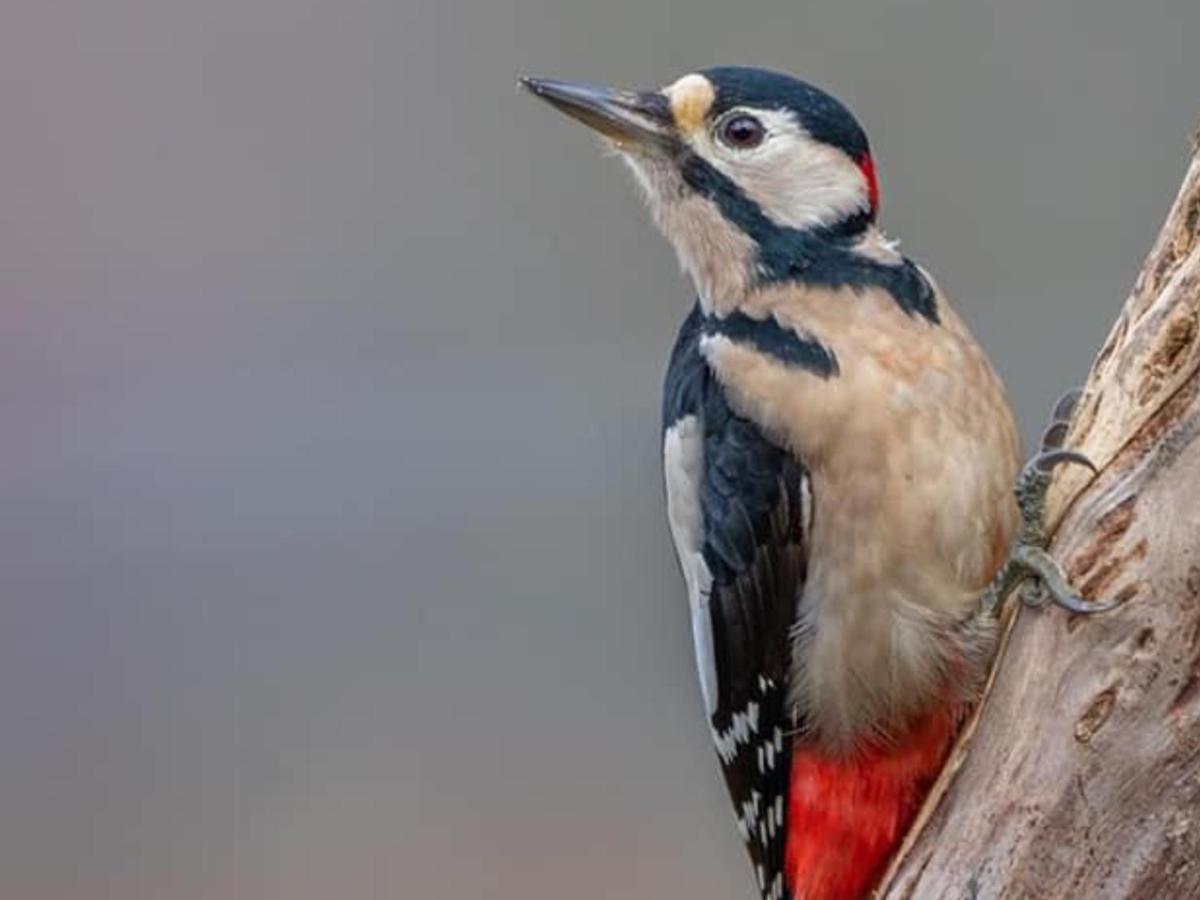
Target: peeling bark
[[1081, 774]]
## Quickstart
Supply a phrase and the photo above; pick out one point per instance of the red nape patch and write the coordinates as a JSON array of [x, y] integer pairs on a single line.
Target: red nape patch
[[867, 164], [847, 815]]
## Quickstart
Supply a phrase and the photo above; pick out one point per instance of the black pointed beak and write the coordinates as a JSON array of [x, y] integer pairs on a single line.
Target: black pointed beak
[[632, 120]]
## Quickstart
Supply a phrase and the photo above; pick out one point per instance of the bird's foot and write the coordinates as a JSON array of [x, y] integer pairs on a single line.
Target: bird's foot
[[1029, 565]]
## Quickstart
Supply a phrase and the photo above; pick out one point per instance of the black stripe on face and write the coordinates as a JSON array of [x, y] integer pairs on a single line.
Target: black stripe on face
[[769, 337], [731, 201], [822, 256]]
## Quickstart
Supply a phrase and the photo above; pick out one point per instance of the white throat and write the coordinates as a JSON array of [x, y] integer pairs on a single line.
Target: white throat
[[719, 256]]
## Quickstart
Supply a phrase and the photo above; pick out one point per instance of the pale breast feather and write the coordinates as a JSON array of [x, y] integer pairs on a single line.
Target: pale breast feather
[[737, 507]]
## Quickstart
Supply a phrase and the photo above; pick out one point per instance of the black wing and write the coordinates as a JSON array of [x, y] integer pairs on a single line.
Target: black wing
[[751, 496]]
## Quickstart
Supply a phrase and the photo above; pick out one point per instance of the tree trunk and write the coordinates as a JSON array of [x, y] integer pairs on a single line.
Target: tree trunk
[[1081, 775]]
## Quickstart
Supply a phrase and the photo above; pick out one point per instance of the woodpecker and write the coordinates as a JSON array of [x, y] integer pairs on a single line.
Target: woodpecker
[[839, 459]]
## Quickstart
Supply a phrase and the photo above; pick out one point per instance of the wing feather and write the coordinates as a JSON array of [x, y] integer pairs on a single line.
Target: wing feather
[[737, 508]]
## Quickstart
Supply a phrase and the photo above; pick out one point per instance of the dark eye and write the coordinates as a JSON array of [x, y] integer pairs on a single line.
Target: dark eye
[[743, 132]]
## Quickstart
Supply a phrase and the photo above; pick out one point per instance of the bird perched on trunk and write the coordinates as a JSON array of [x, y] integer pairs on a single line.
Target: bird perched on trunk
[[839, 459]]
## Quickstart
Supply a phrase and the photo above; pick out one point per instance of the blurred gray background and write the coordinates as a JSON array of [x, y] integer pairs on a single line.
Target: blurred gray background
[[332, 556]]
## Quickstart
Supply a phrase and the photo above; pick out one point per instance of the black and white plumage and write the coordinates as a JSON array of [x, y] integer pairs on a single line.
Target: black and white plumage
[[737, 504], [839, 458]]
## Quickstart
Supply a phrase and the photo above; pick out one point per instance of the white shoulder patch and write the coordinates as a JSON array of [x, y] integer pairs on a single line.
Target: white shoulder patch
[[683, 467]]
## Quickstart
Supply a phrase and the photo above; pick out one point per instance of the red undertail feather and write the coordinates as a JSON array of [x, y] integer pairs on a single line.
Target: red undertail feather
[[847, 815]]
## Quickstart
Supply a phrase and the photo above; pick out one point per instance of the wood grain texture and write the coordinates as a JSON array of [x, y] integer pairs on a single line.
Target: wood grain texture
[[1082, 776]]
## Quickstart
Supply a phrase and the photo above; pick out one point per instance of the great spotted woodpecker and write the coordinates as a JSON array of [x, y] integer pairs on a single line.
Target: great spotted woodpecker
[[839, 458]]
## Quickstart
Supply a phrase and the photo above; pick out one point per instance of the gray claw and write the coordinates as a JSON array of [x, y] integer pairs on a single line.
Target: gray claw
[[1053, 437], [1054, 584], [1030, 567], [1047, 461], [1065, 405]]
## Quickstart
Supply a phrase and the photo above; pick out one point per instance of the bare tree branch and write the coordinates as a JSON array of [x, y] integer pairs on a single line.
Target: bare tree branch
[[1082, 776]]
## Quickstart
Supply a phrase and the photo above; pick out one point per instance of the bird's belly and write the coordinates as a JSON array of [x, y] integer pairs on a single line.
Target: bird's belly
[[900, 554]]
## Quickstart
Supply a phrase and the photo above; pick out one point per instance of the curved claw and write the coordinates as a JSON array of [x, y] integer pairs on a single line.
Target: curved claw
[[1054, 435], [1079, 605], [1047, 461], [1064, 406], [1055, 587]]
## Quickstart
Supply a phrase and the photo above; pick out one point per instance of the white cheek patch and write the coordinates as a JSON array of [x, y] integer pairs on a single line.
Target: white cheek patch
[[795, 180], [683, 464]]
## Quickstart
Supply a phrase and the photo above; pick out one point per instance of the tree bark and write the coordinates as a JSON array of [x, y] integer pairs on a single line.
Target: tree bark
[[1080, 777]]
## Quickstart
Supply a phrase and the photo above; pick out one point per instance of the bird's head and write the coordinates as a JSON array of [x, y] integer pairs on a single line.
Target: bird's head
[[737, 164]]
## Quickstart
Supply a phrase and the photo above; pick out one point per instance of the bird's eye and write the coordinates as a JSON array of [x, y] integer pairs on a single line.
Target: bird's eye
[[743, 132]]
